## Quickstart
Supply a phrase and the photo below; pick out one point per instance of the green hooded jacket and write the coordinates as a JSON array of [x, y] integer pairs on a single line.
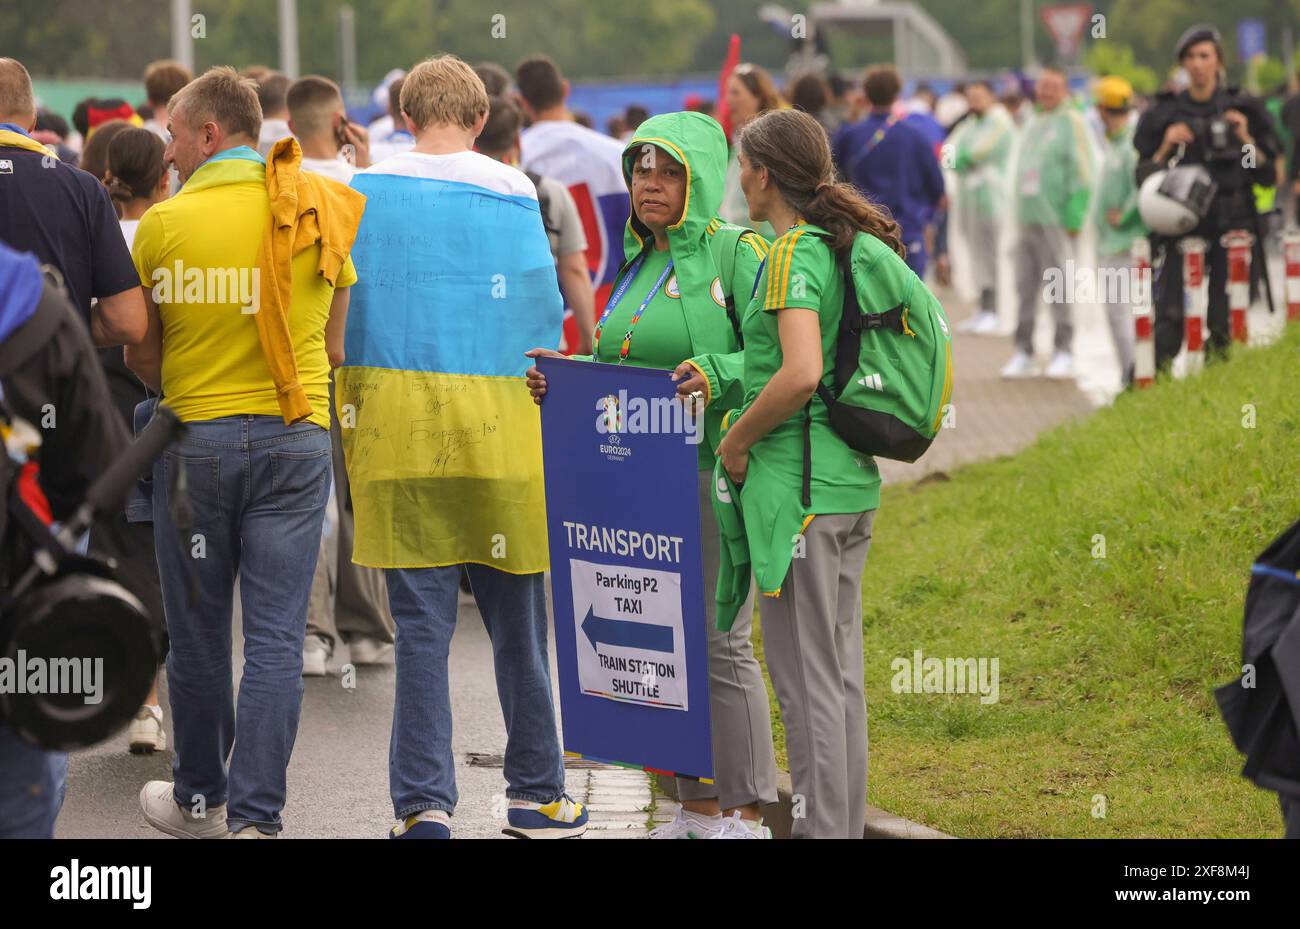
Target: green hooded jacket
[[699, 243], [1054, 169], [982, 145], [1117, 190]]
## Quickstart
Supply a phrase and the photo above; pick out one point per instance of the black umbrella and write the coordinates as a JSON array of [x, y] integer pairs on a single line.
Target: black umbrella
[[1262, 706]]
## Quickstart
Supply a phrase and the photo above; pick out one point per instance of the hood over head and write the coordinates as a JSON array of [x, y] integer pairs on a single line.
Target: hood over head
[[697, 141]]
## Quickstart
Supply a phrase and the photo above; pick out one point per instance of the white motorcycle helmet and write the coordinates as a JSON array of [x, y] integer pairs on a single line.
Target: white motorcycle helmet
[[1174, 201]]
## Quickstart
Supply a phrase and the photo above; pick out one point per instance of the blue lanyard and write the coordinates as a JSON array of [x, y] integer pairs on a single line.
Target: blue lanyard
[[636, 317]]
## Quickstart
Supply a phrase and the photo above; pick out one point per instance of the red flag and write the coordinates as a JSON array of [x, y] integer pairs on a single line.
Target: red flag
[[728, 65]]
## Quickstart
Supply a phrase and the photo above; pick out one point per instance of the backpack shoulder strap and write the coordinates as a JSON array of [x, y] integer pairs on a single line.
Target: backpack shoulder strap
[[723, 243], [853, 322]]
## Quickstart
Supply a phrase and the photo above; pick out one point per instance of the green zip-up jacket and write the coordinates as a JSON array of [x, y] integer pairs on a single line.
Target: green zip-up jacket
[[1117, 189], [704, 275], [982, 144], [1054, 169]]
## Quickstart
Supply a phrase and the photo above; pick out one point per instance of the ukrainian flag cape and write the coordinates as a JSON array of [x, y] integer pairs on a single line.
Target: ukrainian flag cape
[[441, 438]]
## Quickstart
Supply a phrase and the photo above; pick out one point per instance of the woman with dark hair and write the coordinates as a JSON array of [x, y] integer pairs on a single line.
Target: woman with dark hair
[[94, 156], [805, 498], [684, 269], [750, 93], [135, 174], [812, 94]]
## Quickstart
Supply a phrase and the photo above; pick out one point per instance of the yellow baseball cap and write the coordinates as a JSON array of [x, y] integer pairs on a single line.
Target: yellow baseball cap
[[1114, 93]]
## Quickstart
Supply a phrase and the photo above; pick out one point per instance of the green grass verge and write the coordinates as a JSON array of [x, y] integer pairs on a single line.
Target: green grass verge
[[1107, 665]]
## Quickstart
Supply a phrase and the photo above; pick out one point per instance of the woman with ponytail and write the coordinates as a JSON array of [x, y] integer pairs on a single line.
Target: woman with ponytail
[[791, 495], [135, 173]]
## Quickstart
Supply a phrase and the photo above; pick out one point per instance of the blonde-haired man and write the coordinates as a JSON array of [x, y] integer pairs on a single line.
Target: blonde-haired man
[[456, 278]]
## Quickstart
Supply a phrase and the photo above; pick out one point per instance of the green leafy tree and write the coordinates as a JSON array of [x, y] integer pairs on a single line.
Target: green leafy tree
[[1105, 58]]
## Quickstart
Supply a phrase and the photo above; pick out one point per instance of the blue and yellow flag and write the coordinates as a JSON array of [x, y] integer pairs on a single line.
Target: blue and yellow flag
[[441, 438]]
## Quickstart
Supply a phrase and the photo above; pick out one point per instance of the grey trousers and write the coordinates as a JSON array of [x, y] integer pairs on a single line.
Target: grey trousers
[[812, 642], [1119, 316], [981, 234], [1040, 248], [744, 762], [346, 599]]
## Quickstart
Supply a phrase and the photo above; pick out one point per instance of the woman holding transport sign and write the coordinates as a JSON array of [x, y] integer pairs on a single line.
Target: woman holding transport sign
[[673, 300]]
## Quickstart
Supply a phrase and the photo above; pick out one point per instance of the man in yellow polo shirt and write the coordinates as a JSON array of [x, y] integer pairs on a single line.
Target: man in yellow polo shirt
[[256, 487]]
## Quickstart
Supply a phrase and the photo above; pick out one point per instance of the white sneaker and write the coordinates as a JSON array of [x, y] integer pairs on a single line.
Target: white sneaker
[[680, 827], [1061, 367], [145, 733], [315, 656], [366, 650], [733, 827], [982, 322], [161, 812], [1020, 365]]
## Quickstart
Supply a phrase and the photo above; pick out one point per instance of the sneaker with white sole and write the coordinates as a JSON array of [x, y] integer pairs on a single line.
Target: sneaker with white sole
[[158, 803], [686, 826], [1020, 365], [982, 322], [315, 656], [562, 818], [145, 733], [1061, 367], [252, 832], [426, 824], [366, 650], [734, 827]]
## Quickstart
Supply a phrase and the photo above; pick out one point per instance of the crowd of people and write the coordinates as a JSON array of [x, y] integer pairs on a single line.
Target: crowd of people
[[207, 242]]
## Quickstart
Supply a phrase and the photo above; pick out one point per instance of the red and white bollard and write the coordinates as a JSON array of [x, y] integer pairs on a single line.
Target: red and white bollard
[[1239, 245], [1195, 301], [1144, 345], [1291, 249]]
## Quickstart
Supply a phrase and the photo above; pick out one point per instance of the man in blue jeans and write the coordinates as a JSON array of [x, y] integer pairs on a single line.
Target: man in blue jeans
[[443, 446], [224, 342]]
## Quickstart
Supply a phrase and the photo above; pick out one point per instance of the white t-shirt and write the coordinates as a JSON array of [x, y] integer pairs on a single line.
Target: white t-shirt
[[334, 168], [128, 231], [461, 167], [386, 144], [573, 154], [273, 130]]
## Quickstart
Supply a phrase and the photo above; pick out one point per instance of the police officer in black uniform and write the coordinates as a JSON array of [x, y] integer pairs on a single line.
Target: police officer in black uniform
[[1233, 136]]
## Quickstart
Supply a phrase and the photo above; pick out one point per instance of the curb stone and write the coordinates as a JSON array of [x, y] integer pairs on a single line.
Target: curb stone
[[777, 816]]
